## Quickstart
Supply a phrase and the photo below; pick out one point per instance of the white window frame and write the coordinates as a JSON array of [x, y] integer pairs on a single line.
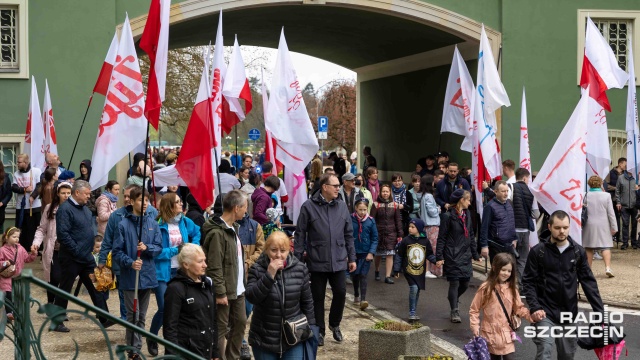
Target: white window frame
[[23, 40], [632, 15]]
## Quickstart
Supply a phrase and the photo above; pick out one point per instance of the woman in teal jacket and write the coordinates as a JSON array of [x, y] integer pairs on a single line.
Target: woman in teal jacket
[[175, 230]]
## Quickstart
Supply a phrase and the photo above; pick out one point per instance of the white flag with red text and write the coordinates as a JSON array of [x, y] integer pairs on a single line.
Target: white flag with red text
[[102, 84], [525, 156], [296, 184], [560, 184], [633, 135], [490, 96], [287, 116], [123, 125], [50, 141], [35, 138], [600, 71], [236, 87], [456, 114]]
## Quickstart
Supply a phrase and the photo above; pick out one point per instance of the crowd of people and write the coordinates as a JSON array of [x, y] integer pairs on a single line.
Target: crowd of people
[[211, 269]]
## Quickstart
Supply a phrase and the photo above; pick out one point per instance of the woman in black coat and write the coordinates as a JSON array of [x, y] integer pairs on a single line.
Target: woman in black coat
[[277, 268], [456, 247], [189, 306], [5, 194]]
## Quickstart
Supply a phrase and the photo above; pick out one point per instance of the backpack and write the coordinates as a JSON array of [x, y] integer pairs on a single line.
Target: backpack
[[576, 258]]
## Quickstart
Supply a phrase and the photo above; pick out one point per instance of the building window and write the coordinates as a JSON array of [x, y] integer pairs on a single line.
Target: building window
[[616, 33], [8, 153], [9, 39]]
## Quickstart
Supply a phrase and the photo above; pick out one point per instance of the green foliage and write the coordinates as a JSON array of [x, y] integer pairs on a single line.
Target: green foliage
[[390, 325]]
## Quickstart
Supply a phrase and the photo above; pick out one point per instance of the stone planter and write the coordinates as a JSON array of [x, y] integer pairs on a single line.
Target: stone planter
[[384, 344]]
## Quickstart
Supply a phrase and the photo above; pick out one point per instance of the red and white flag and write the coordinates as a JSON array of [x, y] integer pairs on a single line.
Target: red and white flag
[[560, 183], [236, 87], [50, 142], [168, 176], [123, 125], [525, 156], [34, 140], [195, 163], [218, 103], [633, 135], [490, 96], [102, 84], [287, 116], [600, 71], [298, 190], [155, 42], [270, 142], [456, 114]]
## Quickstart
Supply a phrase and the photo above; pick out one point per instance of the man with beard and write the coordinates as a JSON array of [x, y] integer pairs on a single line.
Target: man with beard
[[448, 185]]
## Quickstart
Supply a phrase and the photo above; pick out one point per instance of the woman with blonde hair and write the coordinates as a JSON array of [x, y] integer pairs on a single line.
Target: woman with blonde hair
[[601, 224]]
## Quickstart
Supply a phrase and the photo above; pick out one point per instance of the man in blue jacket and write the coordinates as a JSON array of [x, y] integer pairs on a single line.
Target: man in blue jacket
[[448, 185], [75, 234], [498, 229]]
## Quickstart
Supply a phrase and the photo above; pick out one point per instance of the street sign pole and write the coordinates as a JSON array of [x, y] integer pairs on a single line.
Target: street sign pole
[[323, 128]]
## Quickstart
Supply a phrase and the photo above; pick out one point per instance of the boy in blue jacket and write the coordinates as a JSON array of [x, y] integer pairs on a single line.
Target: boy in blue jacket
[[125, 252]]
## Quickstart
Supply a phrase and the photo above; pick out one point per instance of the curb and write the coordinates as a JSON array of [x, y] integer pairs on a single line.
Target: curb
[[438, 345]]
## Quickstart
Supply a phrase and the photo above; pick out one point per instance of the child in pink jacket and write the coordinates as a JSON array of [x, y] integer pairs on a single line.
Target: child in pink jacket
[[12, 254], [495, 327]]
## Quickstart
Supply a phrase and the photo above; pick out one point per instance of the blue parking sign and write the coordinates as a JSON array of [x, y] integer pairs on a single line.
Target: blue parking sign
[[323, 123]]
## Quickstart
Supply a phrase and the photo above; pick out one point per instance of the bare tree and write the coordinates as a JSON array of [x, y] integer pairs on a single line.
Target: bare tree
[[338, 102]]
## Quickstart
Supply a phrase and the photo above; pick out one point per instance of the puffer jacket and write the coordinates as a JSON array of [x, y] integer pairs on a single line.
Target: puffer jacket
[[456, 246], [190, 233], [190, 315], [46, 234], [626, 191], [74, 231], [365, 234], [252, 239], [325, 232], [495, 327], [265, 293], [125, 251], [389, 222], [104, 209], [221, 250]]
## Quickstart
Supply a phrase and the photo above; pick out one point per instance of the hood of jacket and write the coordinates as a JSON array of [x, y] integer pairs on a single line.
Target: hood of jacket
[[87, 164], [183, 278], [216, 223]]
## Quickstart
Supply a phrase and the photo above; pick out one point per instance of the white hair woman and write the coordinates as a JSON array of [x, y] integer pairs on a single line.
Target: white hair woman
[[189, 306]]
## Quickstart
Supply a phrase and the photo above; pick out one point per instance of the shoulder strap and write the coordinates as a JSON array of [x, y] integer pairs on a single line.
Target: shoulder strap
[[15, 257], [504, 310]]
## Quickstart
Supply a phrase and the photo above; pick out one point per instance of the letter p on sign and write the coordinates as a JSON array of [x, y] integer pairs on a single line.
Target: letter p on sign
[[323, 124]]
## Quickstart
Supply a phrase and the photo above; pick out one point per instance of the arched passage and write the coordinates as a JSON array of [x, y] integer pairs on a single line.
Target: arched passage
[[401, 51]]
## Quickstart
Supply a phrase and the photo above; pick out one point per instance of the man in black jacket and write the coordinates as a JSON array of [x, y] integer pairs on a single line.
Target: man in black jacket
[[339, 166], [324, 232], [525, 210], [550, 284]]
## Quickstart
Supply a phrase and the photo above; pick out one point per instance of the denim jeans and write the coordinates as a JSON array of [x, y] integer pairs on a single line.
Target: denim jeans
[[156, 322], [414, 295], [295, 353]]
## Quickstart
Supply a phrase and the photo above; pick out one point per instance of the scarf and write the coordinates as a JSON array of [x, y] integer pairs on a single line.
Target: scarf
[[399, 194], [110, 196], [594, 189], [360, 221], [374, 188], [463, 217]]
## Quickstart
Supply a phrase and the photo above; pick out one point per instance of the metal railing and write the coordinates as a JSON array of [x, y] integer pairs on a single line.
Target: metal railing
[[26, 336]]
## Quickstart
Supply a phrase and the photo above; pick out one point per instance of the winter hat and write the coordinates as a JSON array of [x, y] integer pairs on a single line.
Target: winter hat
[[418, 223], [456, 196], [272, 214], [66, 175]]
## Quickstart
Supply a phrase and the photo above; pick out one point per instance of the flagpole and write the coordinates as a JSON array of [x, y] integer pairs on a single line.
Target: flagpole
[[236, 148], [80, 131], [439, 142], [499, 56]]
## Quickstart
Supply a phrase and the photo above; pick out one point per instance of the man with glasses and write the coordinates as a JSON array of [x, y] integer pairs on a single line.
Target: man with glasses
[[325, 234]]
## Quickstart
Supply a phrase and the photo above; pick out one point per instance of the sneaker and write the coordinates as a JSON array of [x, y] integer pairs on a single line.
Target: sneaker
[[412, 317], [61, 328], [609, 273], [348, 280], [378, 276], [429, 275], [597, 256], [245, 354], [389, 280], [455, 316], [364, 304], [356, 301], [152, 347]]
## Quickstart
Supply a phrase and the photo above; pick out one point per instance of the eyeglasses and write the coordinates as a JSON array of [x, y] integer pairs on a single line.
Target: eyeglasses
[[336, 186]]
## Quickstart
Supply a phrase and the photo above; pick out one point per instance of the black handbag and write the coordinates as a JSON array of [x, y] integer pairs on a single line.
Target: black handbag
[[295, 329], [585, 214]]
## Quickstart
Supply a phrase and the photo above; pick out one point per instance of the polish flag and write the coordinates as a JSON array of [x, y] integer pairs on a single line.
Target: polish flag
[[34, 140], [270, 143], [490, 96], [102, 84], [236, 87], [218, 103], [560, 182], [456, 114], [525, 156], [50, 142], [633, 135], [155, 42], [287, 116], [123, 125], [195, 163], [600, 71]]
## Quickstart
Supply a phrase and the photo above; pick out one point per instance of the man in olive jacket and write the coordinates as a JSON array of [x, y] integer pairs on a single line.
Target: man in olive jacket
[[324, 232], [225, 266]]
